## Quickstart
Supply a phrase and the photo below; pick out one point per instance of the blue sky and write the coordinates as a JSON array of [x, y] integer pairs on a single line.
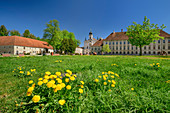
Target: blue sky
[[78, 16]]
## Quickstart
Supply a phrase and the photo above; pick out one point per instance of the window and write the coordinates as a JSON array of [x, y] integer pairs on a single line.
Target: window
[[91, 48], [159, 47], [120, 42], [17, 47], [128, 42], [163, 41], [128, 52], [136, 52], [136, 48], [124, 47], [132, 48], [116, 48], [154, 52], [145, 47], [149, 52], [120, 48], [113, 43], [4, 46], [9, 52], [110, 47], [168, 52], [98, 48], [163, 47], [145, 52], [24, 47], [132, 52], [158, 41], [168, 47], [113, 48], [124, 53], [149, 47], [109, 43], [113, 53], [116, 43], [120, 52], [95, 48], [106, 42], [128, 47], [168, 41], [124, 42], [116, 52], [154, 47]]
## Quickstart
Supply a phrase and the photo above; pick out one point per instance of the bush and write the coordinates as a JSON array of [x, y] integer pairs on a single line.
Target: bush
[[62, 53], [26, 53], [77, 54]]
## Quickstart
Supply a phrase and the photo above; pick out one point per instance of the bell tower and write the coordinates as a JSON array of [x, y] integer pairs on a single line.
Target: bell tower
[[90, 35]]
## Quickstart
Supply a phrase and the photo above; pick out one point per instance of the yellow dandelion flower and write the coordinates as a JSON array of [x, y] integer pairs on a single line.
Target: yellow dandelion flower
[[46, 77], [106, 75], [21, 72], [113, 85], [80, 90], [28, 73], [63, 85], [113, 76], [96, 80], [104, 78], [58, 87], [67, 75], [82, 82], [29, 93], [40, 79], [132, 89], [72, 78], [45, 81], [75, 75], [112, 73], [116, 74], [168, 81], [68, 87], [105, 83], [109, 80], [103, 73], [109, 72], [61, 102], [30, 89], [113, 82], [55, 90], [47, 73], [50, 84], [66, 80], [69, 72], [31, 81], [58, 73], [36, 98], [40, 83], [100, 76], [82, 86], [110, 90], [157, 63], [33, 85], [59, 81]]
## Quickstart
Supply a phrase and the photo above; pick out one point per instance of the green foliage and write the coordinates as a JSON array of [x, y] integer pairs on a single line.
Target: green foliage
[[26, 33], [3, 31], [140, 35], [15, 33], [106, 48], [52, 32], [32, 36]]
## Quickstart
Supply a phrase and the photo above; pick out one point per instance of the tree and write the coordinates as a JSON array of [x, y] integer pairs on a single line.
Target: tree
[[140, 35], [65, 45], [3, 31], [72, 45], [32, 36], [26, 33], [52, 32], [15, 33], [106, 48]]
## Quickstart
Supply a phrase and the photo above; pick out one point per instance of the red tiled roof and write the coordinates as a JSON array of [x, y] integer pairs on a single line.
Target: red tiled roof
[[98, 43], [123, 36], [22, 41]]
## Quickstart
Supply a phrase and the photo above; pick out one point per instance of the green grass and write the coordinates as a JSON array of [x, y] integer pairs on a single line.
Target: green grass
[[151, 92]]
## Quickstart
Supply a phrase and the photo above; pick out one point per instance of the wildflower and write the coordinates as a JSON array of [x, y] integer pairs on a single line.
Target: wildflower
[[103, 73], [61, 102], [16, 105], [168, 81], [113, 76], [12, 71], [109, 72], [158, 66], [99, 76], [21, 72], [36, 98], [112, 73], [55, 90], [109, 80], [151, 65], [80, 90], [132, 89], [45, 81], [113, 82], [47, 73], [40, 79], [63, 85], [110, 90], [59, 81], [28, 73], [157, 63], [66, 80], [135, 64], [50, 84], [96, 80], [75, 75], [33, 85], [40, 83], [72, 78], [29, 93], [30, 89], [58, 73], [46, 77], [53, 81], [68, 87], [58, 87], [33, 70], [82, 86], [116, 74], [82, 82], [104, 78], [105, 83], [106, 75], [69, 72], [31, 81], [113, 85], [67, 75]]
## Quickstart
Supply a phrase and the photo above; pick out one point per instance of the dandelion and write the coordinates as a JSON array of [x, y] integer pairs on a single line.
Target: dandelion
[[36, 98], [47, 73], [113, 85], [61, 102], [109, 80], [69, 72], [16, 105], [110, 90], [33, 85], [106, 75], [50, 84], [59, 81], [40, 83], [105, 83], [58, 87], [30, 89], [68, 87], [157, 63], [103, 73], [29, 93], [46, 77], [109, 72], [21, 72], [28, 73], [45, 81], [63, 85], [80, 90], [66, 80], [132, 89], [113, 76], [40, 79], [55, 90], [58, 73], [104, 78], [67, 75], [116, 74], [113, 82], [31, 81], [82, 82], [72, 78], [96, 80], [168, 81], [75, 75], [135, 64], [82, 86], [99, 76]]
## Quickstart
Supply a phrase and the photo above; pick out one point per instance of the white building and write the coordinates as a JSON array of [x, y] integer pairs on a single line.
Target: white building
[[19, 45]]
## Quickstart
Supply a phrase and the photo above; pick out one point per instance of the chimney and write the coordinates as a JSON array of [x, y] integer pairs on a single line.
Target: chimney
[[121, 30]]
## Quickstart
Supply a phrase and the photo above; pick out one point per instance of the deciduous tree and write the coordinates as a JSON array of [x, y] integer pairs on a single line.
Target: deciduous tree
[[106, 48], [26, 33], [140, 35], [3, 31], [15, 33]]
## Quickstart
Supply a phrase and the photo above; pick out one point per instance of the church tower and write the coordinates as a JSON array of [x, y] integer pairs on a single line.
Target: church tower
[[90, 35]]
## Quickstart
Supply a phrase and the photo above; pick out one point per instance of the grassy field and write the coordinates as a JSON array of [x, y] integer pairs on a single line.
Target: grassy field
[[151, 91]]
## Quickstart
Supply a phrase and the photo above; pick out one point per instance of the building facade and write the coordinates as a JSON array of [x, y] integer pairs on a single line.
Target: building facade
[[119, 45], [88, 43], [18, 45], [79, 50]]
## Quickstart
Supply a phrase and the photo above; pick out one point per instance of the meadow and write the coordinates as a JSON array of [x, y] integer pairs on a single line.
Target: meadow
[[141, 84]]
